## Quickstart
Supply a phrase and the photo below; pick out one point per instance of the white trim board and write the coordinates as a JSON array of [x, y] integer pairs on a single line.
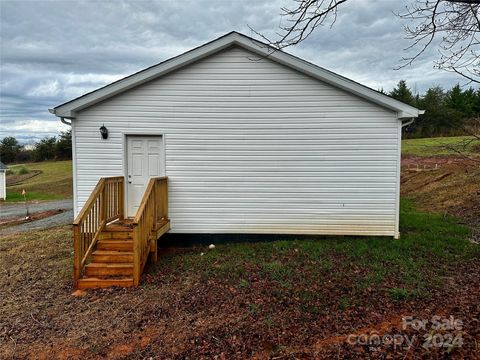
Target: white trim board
[[68, 109]]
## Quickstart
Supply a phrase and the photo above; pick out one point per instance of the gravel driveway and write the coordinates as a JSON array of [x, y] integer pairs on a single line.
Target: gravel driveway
[[9, 210]]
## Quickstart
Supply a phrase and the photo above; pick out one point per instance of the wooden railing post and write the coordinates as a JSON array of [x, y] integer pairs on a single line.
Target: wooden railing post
[[77, 256], [164, 198], [121, 200], [155, 209], [136, 255]]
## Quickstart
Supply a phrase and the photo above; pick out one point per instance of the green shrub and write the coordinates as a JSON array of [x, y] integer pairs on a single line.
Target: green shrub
[[23, 170]]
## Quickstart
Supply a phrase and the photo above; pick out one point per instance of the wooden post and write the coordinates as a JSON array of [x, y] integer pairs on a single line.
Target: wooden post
[[136, 255], [155, 205], [121, 200], [153, 248], [165, 198], [103, 205], [77, 256]]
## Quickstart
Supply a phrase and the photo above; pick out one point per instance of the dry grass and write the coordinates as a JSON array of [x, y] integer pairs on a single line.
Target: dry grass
[[453, 189]]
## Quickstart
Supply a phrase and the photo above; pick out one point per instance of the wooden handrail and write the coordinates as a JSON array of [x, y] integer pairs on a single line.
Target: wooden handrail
[[152, 209], [95, 193], [145, 197], [105, 204]]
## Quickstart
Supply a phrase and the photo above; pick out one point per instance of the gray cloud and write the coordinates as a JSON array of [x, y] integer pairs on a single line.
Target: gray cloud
[[53, 51]]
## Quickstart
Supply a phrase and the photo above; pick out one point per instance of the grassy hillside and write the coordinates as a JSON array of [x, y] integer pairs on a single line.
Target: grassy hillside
[[54, 181], [436, 146]]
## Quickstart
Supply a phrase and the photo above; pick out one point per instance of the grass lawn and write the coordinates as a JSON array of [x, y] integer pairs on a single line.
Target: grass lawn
[[54, 182], [434, 146], [289, 299], [375, 262]]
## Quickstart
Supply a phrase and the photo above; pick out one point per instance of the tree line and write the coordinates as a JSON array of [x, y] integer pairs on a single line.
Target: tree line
[[447, 113], [49, 148]]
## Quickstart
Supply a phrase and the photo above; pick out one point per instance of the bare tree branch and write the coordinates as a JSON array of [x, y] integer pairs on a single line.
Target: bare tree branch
[[303, 19], [472, 140], [453, 26], [456, 25]]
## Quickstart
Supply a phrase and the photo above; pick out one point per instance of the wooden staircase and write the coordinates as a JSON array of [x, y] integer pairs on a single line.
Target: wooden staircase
[[112, 261], [111, 250]]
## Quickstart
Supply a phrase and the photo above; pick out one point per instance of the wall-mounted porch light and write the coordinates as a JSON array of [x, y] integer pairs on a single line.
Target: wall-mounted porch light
[[104, 132]]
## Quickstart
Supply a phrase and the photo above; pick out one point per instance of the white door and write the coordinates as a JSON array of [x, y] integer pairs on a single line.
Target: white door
[[145, 159]]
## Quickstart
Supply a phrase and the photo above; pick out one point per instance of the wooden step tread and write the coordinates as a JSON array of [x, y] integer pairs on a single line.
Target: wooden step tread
[[97, 269], [112, 252], [118, 228], [116, 241], [112, 265], [122, 240], [118, 235], [108, 256], [95, 282], [115, 245]]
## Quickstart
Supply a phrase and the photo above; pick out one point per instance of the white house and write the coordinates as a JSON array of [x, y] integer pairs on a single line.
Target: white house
[[252, 140], [3, 181]]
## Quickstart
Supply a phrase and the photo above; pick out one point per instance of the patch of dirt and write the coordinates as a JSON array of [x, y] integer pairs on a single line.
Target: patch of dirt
[[441, 160], [18, 179], [379, 329], [12, 221], [449, 185]]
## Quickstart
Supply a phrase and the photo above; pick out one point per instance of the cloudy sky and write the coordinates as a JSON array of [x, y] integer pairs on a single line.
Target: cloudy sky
[[53, 51]]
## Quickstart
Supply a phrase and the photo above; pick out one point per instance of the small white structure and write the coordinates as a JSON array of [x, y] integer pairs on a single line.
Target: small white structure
[[3, 181], [252, 140]]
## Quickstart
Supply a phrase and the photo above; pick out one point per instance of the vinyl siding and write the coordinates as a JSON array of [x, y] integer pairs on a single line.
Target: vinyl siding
[[3, 184], [252, 146]]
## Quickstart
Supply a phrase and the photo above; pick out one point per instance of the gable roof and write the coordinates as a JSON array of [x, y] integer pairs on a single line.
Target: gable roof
[[68, 109], [3, 166]]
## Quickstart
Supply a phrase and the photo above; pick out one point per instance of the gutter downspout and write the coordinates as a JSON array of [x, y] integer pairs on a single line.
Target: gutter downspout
[[408, 122], [62, 118], [74, 170]]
